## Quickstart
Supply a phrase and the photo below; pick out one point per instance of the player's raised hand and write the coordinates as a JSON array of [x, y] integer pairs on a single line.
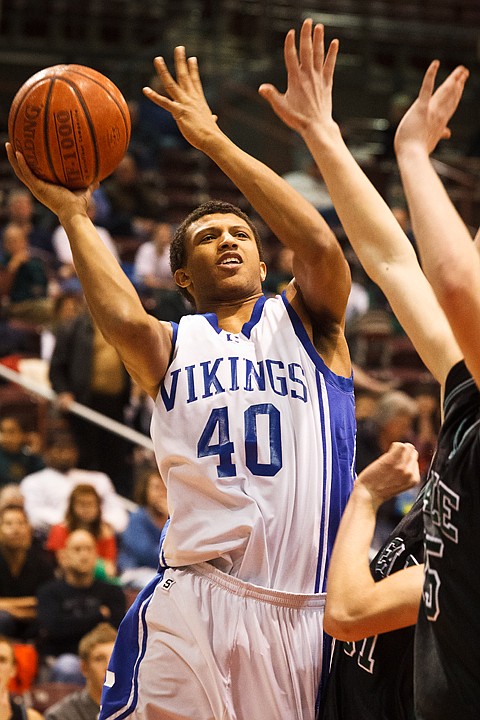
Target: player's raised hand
[[308, 98], [426, 122], [393, 472], [186, 99], [56, 198]]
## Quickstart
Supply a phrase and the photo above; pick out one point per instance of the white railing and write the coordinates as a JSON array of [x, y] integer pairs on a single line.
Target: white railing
[[77, 408]]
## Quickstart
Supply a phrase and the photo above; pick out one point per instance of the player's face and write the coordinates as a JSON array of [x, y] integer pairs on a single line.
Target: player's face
[[223, 263]]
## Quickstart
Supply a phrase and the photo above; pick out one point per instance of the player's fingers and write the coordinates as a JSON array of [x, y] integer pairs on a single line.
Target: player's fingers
[[318, 46], [168, 82], [160, 100], [305, 46], [181, 68], [17, 161], [428, 83], [330, 62], [269, 93], [195, 76], [290, 53]]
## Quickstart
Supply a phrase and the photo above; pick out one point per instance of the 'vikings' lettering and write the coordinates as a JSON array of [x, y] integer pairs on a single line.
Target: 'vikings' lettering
[[214, 377]]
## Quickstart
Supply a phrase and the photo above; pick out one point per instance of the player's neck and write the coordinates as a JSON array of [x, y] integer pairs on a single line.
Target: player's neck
[[233, 315]]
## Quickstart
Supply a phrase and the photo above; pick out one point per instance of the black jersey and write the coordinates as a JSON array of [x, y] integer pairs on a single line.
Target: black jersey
[[447, 644], [372, 678]]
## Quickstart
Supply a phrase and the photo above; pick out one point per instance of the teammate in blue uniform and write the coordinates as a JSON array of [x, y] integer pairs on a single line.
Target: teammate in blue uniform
[[253, 431], [372, 610]]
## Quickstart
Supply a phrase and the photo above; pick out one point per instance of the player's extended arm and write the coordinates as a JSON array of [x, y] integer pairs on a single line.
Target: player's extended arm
[[357, 606], [449, 257], [319, 265], [143, 342], [382, 247]]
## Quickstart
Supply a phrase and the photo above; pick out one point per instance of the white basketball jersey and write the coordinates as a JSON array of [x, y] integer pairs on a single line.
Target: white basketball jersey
[[254, 437]]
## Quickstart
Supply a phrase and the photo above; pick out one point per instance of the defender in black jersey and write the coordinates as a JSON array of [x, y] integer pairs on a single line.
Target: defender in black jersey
[[447, 642], [447, 646], [373, 678]]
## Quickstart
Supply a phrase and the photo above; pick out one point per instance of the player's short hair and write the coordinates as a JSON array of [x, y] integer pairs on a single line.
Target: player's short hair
[[101, 633], [178, 246]]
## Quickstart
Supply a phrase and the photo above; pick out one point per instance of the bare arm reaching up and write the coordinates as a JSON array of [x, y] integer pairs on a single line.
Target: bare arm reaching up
[[449, 256], [383, 249]]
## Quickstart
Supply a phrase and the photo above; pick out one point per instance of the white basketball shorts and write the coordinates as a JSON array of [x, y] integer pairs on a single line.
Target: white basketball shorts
[[211, 647]]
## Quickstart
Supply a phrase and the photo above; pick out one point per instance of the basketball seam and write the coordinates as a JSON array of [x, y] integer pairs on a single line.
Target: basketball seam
[[111, 95], [88, 118], [45, 132]]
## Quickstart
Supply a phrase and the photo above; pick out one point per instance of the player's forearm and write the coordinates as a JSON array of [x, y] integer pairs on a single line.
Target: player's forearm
[[292, 219], [367, 220], [442, 238], [111, 297], [349, 577]]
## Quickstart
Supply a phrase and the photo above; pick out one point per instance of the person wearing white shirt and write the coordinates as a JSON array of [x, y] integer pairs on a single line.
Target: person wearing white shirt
[[46, 492]]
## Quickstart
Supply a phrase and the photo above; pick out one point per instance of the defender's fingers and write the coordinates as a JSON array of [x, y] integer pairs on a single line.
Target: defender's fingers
[[167, 79], [330, 61], [290, 53], [195, 75], [428, 83], [318, 46], [181, 69], [305, 49]]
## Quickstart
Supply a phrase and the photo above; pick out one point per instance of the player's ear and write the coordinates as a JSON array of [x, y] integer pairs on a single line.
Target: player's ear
[[182, 278], [263, 271]]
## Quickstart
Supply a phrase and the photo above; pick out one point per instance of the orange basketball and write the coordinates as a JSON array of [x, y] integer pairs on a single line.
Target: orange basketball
[[71, 123]]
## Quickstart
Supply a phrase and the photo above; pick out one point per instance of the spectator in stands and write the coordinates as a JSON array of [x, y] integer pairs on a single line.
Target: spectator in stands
[[138, 548], [84, 511], [66, 307], [393, 421], [11, 494], [11, 708], [71, 606], [85, 368], [153, 276], [48, 492], [66, 272], [16, 458], [21, 210], [23, 278], [24, 567], [281, 274], [155, 128], [135, 205], [94, 651]]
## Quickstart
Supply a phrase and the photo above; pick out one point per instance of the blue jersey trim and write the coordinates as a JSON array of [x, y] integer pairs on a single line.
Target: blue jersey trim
[[344, 383], [174, 337], [326, 660], [319, 581], [119, 701], [255, 316], [247, 327]]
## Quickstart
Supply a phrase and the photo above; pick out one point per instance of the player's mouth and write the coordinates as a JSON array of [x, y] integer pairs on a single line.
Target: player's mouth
[[230, 260]]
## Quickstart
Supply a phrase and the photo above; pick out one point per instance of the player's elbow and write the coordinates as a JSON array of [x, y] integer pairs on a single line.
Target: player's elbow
[[344, 623]]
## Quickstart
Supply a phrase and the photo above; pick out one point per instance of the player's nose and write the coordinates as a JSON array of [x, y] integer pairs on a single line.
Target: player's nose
[[227, 240]]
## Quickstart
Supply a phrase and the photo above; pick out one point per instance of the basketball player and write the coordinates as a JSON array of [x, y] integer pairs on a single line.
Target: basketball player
[[372, 611], [447, 643], [253, 430]]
